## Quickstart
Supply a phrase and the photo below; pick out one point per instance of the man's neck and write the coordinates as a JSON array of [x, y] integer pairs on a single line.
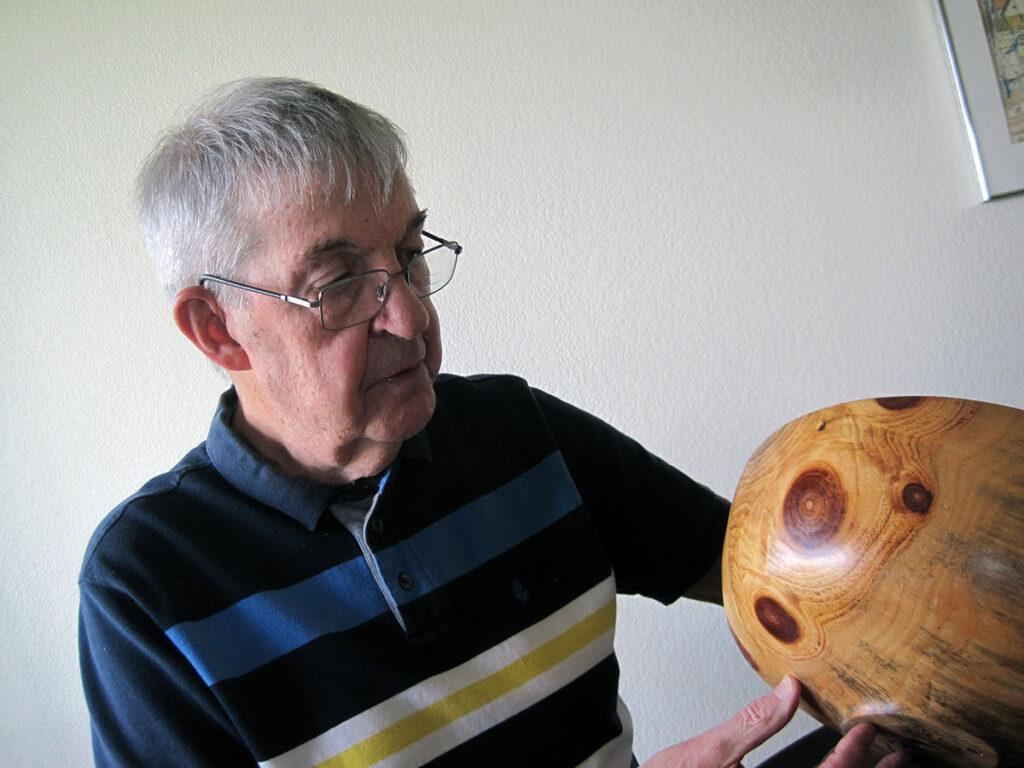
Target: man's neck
[[336, 466]]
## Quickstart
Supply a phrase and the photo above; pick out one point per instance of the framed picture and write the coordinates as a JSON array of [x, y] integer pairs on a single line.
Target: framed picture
[[985, 43]]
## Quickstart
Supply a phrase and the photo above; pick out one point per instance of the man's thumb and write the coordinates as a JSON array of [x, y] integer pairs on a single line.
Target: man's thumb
[[725, 745], [757, 722]]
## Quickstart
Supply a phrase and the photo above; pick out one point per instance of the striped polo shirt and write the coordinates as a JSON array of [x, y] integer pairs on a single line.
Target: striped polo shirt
[[233, 615]]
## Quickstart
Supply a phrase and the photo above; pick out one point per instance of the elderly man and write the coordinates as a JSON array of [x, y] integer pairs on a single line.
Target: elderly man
[[366, 562]]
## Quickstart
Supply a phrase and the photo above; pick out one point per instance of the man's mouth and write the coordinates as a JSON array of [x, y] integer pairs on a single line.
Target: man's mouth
[[400, 373], [394, 376], [397, 363]]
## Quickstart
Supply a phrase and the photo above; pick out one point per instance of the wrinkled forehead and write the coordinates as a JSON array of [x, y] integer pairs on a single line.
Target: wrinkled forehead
[[297, 227]]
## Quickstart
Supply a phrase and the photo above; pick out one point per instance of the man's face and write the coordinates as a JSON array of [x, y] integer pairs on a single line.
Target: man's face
[[322, 395]]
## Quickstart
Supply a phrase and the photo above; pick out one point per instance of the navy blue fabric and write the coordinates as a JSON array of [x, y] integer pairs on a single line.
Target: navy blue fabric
[[303, 499], [267, 637], [197, 558]]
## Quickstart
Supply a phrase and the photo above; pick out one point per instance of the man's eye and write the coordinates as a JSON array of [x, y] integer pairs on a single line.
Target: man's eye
[[334, 278], [405, 257]]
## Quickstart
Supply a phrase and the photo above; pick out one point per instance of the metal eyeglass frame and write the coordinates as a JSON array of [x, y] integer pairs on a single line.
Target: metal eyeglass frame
[[382, 288]]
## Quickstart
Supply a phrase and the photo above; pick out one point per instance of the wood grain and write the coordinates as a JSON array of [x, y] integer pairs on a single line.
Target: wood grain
[[875, 551]]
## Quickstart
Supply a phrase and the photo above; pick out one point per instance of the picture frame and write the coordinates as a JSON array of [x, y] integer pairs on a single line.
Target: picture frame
[[985, 45]]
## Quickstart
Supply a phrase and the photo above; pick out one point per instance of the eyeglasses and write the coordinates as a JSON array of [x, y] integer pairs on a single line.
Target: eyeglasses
[[357, 299]]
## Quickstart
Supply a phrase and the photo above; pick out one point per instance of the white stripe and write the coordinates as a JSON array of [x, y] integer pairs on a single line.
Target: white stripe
[[432, 690], [617, 753], [500, 710]]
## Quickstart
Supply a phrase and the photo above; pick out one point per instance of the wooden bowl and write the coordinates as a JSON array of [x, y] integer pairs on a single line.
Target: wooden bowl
[[875, 551]]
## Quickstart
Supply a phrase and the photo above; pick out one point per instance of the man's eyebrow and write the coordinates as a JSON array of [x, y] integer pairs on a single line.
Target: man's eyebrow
[[341, 244], [323, 247], [416, 222]]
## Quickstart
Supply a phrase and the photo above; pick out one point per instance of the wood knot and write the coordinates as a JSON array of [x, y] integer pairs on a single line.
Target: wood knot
[[898, 403], [776, 619], [917, 498], [814, 508]]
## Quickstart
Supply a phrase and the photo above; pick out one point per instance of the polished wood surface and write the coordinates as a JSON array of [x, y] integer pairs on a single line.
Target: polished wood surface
[[875, 551]]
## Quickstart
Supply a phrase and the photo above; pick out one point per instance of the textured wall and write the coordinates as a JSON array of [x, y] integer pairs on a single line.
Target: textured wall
[[698, 220]]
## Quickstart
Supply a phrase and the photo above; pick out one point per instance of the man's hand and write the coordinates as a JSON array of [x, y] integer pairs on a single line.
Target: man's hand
[[852, 750], [725, 745]]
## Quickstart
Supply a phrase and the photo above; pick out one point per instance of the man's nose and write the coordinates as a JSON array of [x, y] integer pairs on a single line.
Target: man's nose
[[404, 314]]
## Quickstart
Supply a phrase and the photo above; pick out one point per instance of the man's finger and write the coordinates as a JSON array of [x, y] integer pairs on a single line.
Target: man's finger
[[853, 748], [759, 720], [895, 760]]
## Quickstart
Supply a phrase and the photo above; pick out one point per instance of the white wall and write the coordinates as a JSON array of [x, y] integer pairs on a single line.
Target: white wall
[[698, 220]]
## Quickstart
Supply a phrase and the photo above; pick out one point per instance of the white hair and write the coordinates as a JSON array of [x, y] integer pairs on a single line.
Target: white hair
[[246, 149]]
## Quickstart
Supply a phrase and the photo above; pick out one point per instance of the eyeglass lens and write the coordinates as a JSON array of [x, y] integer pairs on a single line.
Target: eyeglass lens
[[356, 300]]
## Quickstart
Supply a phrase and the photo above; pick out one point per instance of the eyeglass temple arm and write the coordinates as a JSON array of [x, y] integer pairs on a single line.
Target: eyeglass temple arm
[[447, 243], [203, 279]]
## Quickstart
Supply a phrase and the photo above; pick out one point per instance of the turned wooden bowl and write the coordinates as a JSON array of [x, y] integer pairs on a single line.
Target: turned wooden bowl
[[875, 551]]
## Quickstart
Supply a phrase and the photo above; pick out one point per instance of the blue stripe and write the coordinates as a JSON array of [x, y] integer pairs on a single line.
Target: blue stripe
[[267, 625], [483, 529]]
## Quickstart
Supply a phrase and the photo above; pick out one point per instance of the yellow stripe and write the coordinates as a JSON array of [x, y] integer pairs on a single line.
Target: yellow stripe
[[459, 704]]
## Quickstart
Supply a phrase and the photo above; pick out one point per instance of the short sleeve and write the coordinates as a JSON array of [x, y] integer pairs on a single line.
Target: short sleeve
[[661, 529]]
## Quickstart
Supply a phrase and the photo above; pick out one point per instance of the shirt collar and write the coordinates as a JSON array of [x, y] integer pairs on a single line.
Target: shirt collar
[[298, 497]]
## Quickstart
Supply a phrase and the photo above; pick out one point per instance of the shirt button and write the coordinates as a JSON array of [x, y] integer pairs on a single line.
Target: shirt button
[[376, 525], [405, 581]]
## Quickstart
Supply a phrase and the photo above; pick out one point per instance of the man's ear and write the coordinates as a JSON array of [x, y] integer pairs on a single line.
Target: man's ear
[[199, 316]]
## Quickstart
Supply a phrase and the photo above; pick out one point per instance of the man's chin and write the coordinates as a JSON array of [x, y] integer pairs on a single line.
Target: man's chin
[[399, 412]]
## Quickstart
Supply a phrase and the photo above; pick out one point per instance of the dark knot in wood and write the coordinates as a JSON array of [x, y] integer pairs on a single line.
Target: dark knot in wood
[[814, 508]]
